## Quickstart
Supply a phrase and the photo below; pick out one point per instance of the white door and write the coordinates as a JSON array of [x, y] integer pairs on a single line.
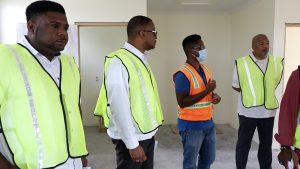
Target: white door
[[96, 41], [292, 52]]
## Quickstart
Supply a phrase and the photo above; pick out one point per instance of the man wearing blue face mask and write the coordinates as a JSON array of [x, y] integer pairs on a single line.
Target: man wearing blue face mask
[[194, 91]]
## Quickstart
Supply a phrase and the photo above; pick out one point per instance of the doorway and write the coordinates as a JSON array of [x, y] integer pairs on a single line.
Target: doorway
[[96, 40], [292, 52]]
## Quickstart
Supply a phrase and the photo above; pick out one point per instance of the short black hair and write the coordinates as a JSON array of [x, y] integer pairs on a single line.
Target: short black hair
[[190, 40], [41, 7], [134, 25]]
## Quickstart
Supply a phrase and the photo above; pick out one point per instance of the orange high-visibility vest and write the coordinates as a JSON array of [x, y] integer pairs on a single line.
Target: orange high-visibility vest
[[202, 110]]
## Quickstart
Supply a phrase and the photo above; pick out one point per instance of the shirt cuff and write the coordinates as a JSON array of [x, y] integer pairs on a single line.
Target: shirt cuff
[[131, 143], [235, 85]]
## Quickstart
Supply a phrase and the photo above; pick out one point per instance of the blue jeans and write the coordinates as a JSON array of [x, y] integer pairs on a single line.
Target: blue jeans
[[199, 148]]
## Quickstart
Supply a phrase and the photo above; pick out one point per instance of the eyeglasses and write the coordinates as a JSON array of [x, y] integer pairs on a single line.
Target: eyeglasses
[[153, 32]]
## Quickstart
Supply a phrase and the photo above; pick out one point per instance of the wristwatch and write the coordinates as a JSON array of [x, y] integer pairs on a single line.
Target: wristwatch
[[285, 147]]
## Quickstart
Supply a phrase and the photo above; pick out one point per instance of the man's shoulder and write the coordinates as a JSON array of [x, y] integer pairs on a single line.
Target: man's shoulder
[[115, 63], [275, 56], [181, 69], [7, 49], [67, 56], [2, 45], [179, 76], [117, 53], [242, 57], [295, 75], [206, 67]]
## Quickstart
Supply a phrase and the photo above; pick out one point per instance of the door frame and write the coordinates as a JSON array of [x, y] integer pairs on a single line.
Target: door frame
[[94, 24], [80, 25], [285, 79]]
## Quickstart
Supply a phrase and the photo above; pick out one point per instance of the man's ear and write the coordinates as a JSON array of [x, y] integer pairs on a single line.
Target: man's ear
[[189, 50], [31, 26], [142, 34], [194, 52]]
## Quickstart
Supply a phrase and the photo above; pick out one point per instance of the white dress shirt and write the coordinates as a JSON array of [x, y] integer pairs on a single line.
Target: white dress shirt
[[53, 68], [122, 125], [254, 112]]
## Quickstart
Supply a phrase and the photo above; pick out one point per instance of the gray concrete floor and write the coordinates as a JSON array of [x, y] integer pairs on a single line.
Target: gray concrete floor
[[168, 154]]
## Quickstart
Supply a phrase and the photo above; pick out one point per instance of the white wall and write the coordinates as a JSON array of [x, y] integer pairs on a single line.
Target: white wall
[[292, 52], [13, 11], [246, 22], [169, 56], [285, 12]]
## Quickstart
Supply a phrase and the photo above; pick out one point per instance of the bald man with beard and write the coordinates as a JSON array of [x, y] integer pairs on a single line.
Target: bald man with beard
[[255, 78]]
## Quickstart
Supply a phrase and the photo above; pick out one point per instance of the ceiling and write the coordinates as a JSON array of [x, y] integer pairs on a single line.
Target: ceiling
[[226, 6]]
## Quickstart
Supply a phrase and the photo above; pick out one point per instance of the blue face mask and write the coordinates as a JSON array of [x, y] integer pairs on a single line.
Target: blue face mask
[[202, 55]]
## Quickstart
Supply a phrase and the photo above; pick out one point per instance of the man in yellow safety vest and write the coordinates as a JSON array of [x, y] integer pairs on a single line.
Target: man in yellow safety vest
[[128, 100], [41, 125], [255, 77]]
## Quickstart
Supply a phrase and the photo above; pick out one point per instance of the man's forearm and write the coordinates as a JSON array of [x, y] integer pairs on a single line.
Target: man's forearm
[[4, 163], [190, 100]]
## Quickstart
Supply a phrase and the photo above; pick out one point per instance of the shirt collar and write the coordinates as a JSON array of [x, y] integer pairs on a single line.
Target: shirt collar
[[134, 50], [23, 41], [257, 60]]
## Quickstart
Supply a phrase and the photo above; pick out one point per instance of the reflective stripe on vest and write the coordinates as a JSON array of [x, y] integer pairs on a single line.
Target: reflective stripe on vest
[[199, 105], [146, 98], [32, 107], [202, 110], [250, 81], [257, 87], [41, 122], [195, 81], [275, 66]]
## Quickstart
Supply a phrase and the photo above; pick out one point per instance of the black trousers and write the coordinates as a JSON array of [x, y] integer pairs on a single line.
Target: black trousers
[[245, 134], [124, 160]]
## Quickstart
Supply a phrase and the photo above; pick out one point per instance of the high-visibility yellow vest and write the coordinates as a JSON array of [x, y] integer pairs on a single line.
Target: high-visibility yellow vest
[[144, 99], [257, 87], [203, 109], [297, 133], [41, 122]]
